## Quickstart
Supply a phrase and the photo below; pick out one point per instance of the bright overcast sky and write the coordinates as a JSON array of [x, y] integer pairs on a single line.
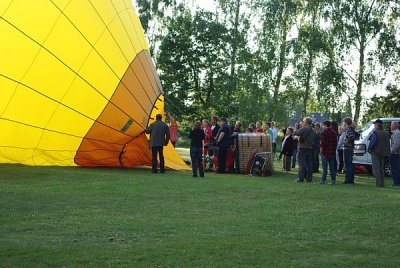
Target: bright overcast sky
[[206, 4]]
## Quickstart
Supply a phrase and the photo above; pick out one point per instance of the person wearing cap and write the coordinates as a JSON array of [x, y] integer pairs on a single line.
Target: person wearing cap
[[348, 150], [395, 153], [224, 142], [379, 148], [159, 137]]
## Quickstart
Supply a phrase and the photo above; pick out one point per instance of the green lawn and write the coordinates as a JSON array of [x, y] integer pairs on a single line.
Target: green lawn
[[96, 217]]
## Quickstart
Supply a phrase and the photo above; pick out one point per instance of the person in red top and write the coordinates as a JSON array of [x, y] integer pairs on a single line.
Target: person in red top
[[328, 152], [207, 139], [207, 131], [259, 128], [173, 128]]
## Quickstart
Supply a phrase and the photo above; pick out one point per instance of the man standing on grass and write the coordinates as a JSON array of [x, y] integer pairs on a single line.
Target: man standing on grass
[[317, 142], [328, 152], [348, 150], [159, 137], [214, 127], [395, 153], [224, 142], [306, 139], [379, 148], [274, 138]]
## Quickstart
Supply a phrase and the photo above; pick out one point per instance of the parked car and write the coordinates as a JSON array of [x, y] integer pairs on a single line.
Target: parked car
[[361, 155]]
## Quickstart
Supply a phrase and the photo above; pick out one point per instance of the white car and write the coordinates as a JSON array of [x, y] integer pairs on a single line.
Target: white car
[[361, 155]]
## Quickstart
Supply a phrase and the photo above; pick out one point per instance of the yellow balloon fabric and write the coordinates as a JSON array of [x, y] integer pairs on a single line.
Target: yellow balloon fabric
[[77, 85]]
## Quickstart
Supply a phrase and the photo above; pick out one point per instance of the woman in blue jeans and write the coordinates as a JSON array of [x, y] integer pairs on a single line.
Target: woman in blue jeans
[[196, 137]]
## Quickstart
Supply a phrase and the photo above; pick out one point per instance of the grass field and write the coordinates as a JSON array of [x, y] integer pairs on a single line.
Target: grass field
[[100, 217]]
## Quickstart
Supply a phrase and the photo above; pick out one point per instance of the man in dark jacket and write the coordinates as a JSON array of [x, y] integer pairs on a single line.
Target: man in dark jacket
[[224, 142], [379, 148], [159, 137], [306, 139], [316, 149], [287, 149], [214, 127], [328, 152]]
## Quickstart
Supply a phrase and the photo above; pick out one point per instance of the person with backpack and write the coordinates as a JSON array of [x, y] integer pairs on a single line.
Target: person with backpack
[[379, 148]]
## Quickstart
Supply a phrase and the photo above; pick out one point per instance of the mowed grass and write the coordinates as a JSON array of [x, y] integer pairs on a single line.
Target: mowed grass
[[100, 217]]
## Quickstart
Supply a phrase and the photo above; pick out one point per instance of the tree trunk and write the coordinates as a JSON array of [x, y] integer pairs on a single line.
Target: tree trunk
[[360, 80], [307, 84], [310, 65], [282, 63]]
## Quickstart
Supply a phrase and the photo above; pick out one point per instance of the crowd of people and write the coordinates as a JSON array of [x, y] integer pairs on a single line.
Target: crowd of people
[[304, 144]]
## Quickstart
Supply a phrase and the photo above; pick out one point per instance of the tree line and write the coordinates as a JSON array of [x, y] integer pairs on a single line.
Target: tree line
[[273, 60]]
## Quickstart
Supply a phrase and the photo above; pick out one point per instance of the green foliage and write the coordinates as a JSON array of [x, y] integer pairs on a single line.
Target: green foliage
[[100, 217], [386, 106], [192, 66], [356, 25], [266, 59], [152, 10]]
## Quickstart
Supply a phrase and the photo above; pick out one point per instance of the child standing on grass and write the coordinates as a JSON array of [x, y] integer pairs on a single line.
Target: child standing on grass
[[196, 137], [287, 150]]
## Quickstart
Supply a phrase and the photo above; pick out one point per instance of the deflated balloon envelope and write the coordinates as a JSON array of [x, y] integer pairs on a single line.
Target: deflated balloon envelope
[[77, 85]]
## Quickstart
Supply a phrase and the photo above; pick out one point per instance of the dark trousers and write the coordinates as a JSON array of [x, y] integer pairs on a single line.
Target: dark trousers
[[294, 158], [154, 151], [222, 152], [315, 163], [341, 161], [378, 169], [348, 165], [305, 164], [287, 159], [395, 168], [197, 163]]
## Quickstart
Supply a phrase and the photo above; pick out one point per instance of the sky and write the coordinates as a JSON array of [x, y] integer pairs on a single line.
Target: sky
[[206, 4]]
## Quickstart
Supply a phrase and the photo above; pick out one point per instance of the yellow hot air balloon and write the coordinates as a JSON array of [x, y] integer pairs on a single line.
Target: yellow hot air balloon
[[77, 85]]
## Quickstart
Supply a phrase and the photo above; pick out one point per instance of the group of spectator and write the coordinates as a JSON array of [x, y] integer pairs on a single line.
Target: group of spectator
[[206, 133], [328, 144], [305, 144], [380, 147], [335, 146], [220, 133]]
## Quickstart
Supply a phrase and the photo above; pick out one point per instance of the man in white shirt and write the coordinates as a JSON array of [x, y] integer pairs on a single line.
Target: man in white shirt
[[274, 138]]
